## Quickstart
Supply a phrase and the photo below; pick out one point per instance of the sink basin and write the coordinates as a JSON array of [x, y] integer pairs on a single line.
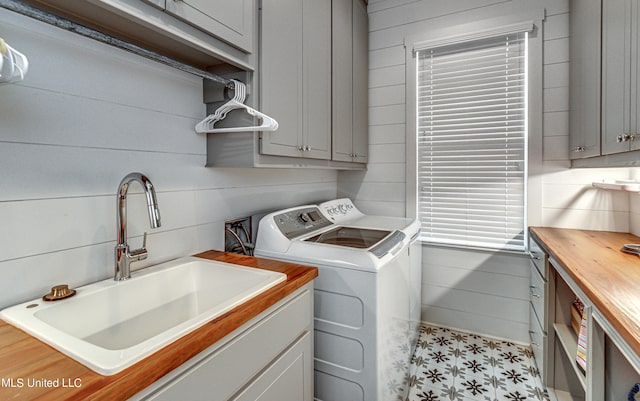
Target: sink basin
[[110, 325]]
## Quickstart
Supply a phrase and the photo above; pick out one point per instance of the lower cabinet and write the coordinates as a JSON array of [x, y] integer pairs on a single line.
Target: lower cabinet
[[539, 290], [285, 378], [612, 368], [539, 343], [268, 359]]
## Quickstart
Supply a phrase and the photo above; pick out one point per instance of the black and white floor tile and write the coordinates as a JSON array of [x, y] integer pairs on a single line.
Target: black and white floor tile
[[454, 366]]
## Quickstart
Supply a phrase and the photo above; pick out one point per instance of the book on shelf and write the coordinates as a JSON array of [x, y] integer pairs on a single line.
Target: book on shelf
[[581, 353], [577, 308]]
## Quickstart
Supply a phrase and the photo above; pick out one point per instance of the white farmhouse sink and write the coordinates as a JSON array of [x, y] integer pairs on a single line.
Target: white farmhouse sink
[[110, 325]]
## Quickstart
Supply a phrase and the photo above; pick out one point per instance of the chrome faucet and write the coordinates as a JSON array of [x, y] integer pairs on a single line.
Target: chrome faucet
[[124, 257]]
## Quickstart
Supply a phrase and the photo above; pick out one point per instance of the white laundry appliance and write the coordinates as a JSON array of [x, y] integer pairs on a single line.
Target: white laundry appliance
[[367, 294]]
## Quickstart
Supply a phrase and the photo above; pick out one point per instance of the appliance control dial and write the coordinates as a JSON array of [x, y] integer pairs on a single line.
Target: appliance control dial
[[304, 217]]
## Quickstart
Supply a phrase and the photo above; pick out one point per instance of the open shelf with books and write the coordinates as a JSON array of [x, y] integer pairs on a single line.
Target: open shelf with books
[[591, 346], [611, 368], [568, 382]]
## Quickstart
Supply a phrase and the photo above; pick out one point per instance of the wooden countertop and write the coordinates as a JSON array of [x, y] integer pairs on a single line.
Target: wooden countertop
[[608, 277], [24, 359]]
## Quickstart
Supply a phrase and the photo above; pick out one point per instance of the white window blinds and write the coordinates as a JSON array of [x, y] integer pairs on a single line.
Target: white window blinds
[[472, 129]]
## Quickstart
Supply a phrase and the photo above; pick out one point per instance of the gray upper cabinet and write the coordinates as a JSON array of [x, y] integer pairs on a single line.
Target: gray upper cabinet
[[229, 20], [350, 81], [605, 82], [313, 79], [295, 77], [619, 74], [584, 102], [203, 33]]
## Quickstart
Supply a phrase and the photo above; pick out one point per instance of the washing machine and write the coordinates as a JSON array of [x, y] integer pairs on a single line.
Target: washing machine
[[367, 294]]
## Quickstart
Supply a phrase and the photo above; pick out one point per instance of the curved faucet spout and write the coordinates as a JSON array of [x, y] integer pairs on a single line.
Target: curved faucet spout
[[122, 254]]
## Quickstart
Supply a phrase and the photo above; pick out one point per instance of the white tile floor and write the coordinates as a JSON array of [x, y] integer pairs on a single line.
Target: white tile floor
[[451, 365]]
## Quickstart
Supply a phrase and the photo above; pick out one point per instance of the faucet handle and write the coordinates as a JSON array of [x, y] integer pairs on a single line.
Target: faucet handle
[[140, 253]]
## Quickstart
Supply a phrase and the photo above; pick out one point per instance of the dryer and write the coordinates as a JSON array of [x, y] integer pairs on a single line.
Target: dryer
[[367, 294]]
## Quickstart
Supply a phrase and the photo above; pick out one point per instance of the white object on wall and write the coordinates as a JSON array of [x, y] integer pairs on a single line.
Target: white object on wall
[[206, 126], [13, 64], [618, 185]]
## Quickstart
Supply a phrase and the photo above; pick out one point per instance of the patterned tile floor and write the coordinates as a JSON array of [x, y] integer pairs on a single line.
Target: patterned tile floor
[[450, 365]]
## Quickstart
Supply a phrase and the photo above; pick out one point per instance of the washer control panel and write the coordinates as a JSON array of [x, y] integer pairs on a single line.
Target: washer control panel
[[295, 223]]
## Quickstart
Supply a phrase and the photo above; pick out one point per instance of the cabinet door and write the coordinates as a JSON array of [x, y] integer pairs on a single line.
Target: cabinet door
[[316, 75], [360, 81], [538, 344], [281, 76], [229, 20], [350, 80], [635, 79], [296, 71], [287, 379], [342, 80], [584, 115], [616, 75]]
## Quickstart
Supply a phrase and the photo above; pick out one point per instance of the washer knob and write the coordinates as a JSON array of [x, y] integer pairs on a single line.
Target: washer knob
[[304, 217]]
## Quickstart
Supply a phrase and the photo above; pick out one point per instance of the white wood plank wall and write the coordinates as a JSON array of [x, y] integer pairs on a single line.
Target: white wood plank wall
[[482, 292], [87, 115], [474, 290]]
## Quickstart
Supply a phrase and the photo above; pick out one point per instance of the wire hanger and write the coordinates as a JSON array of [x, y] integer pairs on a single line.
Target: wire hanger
[[206, 126]]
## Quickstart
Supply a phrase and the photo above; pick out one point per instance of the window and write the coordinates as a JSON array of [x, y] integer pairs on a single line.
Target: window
[[472, 142]]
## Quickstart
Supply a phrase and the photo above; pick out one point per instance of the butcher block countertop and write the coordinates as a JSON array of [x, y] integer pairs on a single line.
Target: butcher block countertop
[[608, 277], [25, 360]]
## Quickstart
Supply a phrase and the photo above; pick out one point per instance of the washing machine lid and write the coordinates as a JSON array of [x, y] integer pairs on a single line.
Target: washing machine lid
[[376, 242], [352, 237]]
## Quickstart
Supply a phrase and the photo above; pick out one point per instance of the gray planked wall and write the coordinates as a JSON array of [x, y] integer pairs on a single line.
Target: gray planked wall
[[87, 115]]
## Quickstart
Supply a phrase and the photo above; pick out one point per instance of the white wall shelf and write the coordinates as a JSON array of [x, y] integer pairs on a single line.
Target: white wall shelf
[[618, 185]]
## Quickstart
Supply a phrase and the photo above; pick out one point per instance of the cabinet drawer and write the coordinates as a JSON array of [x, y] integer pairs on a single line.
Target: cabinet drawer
[[537, 292], [538, 339], [229, 368], [539, 257]]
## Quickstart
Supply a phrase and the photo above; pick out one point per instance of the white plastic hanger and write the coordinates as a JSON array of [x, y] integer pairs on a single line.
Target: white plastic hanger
[[13, 64], [206, 126]]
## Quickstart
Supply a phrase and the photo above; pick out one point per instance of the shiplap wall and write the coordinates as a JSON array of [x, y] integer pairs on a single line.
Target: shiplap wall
[[475, 290], [85, 116]]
